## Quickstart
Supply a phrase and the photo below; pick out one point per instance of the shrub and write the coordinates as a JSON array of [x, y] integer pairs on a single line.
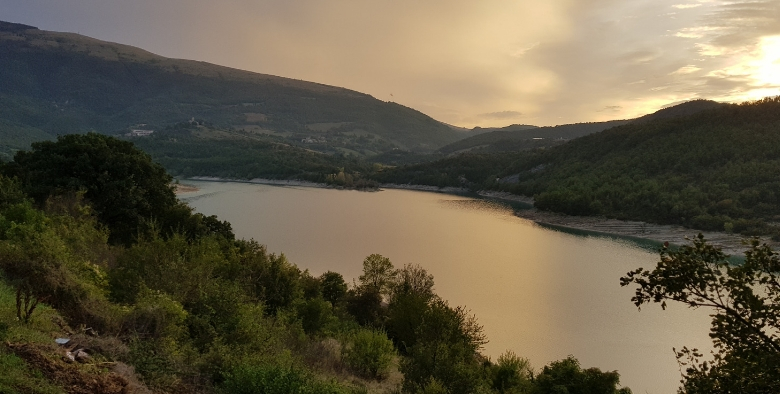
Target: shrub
[[369, 353], [276, 379], [156, 315], [315, 315]]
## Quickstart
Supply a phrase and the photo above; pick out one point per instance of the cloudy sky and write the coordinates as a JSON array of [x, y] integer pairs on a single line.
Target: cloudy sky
[[465, 62]]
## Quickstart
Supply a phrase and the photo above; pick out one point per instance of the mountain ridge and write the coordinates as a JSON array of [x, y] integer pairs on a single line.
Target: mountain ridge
[[523, 137], [55, 83]]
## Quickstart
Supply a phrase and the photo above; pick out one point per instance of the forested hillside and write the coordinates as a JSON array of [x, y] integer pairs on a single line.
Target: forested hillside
[[718, 169], [187, 150], [54, 83]]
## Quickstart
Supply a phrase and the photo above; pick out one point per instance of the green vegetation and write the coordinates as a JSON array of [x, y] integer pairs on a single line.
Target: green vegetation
[[745, 300], [716, 169], [185, 307], [192, 150]]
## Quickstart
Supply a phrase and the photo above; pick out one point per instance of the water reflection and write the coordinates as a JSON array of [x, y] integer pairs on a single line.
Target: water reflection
[[541, 292]]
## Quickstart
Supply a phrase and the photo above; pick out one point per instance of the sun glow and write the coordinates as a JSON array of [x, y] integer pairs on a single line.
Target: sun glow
[[760, 71], [767, 67]]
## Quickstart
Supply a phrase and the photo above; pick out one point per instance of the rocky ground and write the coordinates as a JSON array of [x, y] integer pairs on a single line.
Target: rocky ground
[[732, 244]]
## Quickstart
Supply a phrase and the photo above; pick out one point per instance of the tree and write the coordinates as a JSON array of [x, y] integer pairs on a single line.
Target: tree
[[10, 192], [413, 279], [446, 349], [566, 376], [511, 374], [121, 182], [378, 273], [745, 300], [411, 294], [334, 288]]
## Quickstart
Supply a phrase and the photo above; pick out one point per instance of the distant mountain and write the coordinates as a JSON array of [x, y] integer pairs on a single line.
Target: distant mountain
[[522, 137], [53, 83]]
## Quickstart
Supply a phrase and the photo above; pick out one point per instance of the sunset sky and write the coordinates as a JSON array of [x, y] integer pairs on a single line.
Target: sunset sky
[[467, 63]]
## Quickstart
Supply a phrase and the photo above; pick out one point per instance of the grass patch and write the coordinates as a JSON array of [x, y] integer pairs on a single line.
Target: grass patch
[[17, 377]]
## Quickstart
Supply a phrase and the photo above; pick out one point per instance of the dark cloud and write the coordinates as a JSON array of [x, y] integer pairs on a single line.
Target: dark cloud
[[735, 24]]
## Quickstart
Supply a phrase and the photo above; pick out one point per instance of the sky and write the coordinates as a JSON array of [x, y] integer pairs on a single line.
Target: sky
[[464, 62]]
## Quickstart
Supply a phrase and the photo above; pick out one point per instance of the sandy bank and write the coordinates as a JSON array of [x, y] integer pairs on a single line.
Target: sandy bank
[[424, 188], [180, 188], [262, 181]]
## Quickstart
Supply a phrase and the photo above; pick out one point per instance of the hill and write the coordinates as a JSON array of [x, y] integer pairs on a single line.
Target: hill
[[521, 137], [54, 83], [524, 137], [715, 169], [682, 109]]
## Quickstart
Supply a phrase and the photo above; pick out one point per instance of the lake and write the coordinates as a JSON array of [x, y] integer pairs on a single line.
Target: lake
[[542, 293]]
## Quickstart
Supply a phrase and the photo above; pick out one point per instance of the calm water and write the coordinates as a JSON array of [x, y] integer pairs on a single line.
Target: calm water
[[542, 293]]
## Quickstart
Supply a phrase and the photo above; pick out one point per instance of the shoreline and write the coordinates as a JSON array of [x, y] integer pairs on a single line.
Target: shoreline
[[731, 244]]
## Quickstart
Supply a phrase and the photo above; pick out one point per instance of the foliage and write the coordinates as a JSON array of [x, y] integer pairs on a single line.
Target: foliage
[[45, 257], [10, 192], [271, 278], [566, 376], [446, 349], [276, 379], [745, 300], [411, 294], [157, 315], [412, 279], [369, 353], [365, 304], [334, 288], [315, 314], [122, 183], [175, 266], [188, 153], [378, 273], [511, 374]]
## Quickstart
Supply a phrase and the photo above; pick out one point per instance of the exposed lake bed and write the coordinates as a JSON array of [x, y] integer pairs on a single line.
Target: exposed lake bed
[[542, 293]]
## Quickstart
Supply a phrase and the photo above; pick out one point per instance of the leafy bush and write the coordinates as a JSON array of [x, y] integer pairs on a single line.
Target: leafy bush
[[315, 315], [156, 315], [369, 353], [276, 379]]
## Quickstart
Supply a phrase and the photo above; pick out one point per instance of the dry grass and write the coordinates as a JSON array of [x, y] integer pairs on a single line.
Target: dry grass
[[325, 357]]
